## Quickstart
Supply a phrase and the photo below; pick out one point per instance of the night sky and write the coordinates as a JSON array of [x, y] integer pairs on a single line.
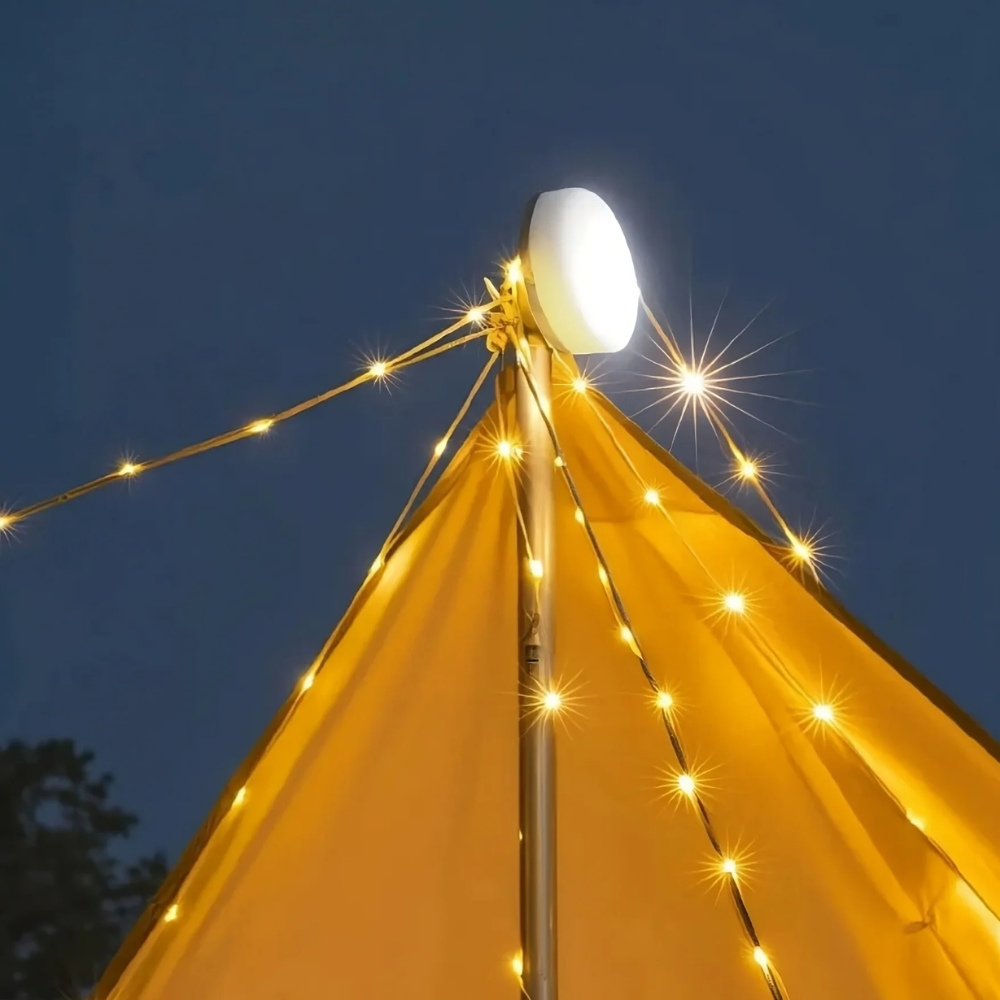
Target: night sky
[[211, 211]]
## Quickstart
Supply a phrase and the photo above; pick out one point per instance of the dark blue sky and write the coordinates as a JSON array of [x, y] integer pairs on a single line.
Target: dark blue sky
[[208, 210]]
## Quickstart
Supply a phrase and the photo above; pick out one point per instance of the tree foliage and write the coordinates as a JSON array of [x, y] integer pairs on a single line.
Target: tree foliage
[[66, 900]]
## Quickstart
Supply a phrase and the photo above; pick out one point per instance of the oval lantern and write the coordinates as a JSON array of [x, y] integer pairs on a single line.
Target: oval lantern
[[579, 276]]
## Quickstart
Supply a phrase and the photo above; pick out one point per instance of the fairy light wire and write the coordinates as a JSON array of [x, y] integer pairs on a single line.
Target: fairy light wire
[[437, 454], [130, 469], [167, 908], [837, 728], [669, 342], [618, 606], [799, 547], [794, 541], [765, 647]]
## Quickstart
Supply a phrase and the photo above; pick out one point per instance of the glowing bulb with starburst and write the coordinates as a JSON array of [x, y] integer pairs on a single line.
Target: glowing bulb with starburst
[[692, 381], [735, 603]]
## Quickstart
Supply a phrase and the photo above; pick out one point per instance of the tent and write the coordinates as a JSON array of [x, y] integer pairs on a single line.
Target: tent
[[368, 847]]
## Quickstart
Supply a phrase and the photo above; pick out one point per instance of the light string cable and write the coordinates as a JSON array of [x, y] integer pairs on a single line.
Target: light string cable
[[650, 495], [439, 449], [376, 372], [237, 796], [822, 711], [801, 550], [686, 783]]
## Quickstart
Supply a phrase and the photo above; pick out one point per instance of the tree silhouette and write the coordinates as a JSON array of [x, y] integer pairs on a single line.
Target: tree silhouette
[[65, 899]]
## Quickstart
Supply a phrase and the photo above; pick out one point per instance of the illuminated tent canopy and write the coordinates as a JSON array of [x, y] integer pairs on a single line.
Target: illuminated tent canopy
[[368, 848]]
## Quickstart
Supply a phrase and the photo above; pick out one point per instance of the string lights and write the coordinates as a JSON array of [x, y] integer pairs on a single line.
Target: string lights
[[823, 713], [550, 702], [685, 782], [735, 603], [693, 383], [701, 385], [439, 450], [554, 702], [729, 869], [376, 371], [802, 550]]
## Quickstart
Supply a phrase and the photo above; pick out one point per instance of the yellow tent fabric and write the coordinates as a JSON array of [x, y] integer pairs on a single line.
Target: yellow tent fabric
[[369, 846]]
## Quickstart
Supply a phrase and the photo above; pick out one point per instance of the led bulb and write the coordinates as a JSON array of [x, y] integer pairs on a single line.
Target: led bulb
[[734, 603], [801, 550], [552, 701], [652, 497], [664, 701], [692, 382], [686, 784], [536, 568], [823, 713]]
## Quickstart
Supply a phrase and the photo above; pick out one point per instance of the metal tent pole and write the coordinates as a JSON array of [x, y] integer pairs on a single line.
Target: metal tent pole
[[537, 744]]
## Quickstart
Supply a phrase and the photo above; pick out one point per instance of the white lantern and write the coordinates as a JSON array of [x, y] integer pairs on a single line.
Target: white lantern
[[579, 276]]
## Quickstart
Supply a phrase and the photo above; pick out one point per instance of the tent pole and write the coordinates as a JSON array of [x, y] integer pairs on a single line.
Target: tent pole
[[537, 743]]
